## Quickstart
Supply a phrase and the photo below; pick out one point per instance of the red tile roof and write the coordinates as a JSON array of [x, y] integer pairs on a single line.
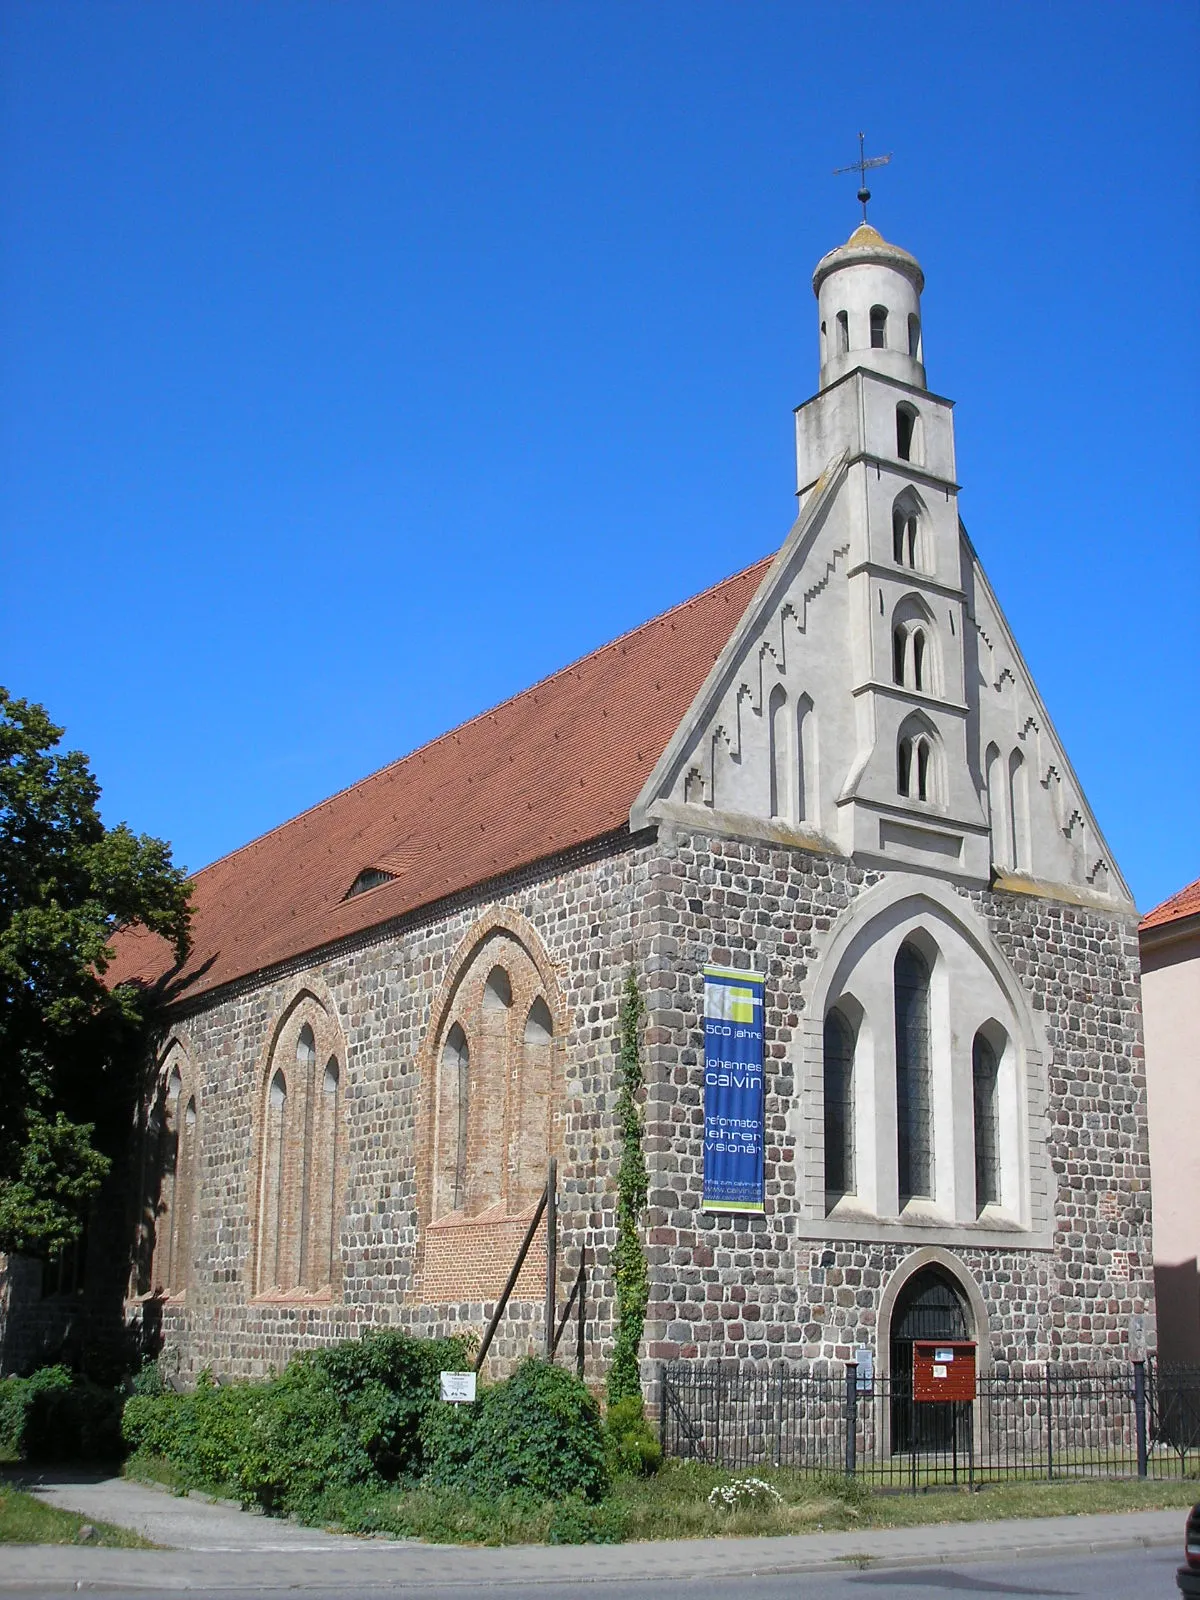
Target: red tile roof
[[1184, 904], [553, 768]]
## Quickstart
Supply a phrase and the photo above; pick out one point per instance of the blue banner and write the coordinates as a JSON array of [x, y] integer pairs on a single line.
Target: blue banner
[[733, 1090]]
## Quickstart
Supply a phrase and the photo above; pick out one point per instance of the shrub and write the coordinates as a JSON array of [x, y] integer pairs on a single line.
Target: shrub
[[630, 1445], [338, 1418], [55, 1416], [16, 1402], [536, 1436], [387, 1381]]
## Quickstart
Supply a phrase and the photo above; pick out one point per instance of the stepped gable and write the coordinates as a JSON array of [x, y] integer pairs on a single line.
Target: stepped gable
[[1184, 904], [551, 769]]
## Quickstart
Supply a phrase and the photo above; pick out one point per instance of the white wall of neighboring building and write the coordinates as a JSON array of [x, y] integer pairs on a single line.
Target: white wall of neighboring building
[[1171, 1002]]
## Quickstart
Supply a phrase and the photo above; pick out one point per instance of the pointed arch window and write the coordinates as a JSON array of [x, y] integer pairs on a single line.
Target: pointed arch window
[[908, 541], [494, 1091], [454, 1114], [908, 433], [839, 1106], [918, 761], [914, 1124], [300, 1171], [985, 1072], [274, 1219], [918, 658], [916, 768], [172, 1185]]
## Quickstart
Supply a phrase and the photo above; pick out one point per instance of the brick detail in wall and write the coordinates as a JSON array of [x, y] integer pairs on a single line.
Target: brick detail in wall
[[469, 1258]]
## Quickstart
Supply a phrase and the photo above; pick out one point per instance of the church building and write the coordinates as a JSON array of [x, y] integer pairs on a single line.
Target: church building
[[833, 772]]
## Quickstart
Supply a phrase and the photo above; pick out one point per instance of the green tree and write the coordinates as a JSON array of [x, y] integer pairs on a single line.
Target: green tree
[[70, 1043]]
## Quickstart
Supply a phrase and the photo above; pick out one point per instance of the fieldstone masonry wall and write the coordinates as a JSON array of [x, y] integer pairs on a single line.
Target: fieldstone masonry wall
[[752, 1288], [749, 1288]]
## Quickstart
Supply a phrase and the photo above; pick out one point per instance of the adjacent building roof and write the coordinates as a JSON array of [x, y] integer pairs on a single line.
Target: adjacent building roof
[[1184, 904], [550, 770]]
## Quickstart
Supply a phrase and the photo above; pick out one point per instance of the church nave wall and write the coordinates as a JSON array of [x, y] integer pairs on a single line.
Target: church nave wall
[[385, 1005]]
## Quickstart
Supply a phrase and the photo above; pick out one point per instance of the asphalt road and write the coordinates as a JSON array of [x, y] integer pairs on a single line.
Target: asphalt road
[[1122, 1575]]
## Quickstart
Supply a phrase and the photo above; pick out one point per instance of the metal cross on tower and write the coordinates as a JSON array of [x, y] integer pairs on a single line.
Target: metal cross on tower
[[862, 166]]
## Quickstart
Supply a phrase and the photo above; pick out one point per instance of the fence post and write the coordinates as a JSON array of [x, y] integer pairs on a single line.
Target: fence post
[[1049, 1426], [1139, 1411], [851, 1418], [662, 1406]]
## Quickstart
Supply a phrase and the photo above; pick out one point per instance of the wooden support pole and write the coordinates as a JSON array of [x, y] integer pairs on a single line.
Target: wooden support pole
[[551, 1255], [512, 1281]]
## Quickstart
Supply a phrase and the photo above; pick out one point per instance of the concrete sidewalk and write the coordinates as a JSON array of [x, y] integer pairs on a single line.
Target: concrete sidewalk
[[179, 1522], [218, 1547]]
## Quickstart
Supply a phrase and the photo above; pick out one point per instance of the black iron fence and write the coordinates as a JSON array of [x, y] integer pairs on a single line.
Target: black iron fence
[[1114, 1421]]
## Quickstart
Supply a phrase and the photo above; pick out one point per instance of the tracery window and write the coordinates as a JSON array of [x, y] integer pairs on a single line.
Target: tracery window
[[914, 1142], [929, 1079]]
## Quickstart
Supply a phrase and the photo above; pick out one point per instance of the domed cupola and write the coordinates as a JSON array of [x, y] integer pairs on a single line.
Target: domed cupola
[[869, 303]]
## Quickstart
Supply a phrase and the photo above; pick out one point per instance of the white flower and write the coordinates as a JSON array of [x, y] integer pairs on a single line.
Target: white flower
[[747, 1492]]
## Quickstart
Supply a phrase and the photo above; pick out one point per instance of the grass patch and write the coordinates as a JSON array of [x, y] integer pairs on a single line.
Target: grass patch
[[674, 1505], [24, 1519], [1001, 1501]]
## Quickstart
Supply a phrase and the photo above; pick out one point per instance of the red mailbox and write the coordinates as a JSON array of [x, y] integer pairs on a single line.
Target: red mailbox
[[944, 1369]]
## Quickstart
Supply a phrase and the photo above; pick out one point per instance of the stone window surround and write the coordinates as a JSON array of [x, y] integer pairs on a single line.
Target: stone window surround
[[973, 984], [308, 1004]]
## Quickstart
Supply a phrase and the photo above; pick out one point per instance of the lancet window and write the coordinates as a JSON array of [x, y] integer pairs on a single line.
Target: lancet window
[[914, 1143], [839, 1106], [172, 1180], [300, 1156], [985, 1071]]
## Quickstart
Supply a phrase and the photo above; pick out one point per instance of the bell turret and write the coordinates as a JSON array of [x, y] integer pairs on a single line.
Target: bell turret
[[869, 306]]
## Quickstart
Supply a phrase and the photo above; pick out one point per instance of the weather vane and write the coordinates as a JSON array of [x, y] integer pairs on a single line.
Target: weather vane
[[862, 166]]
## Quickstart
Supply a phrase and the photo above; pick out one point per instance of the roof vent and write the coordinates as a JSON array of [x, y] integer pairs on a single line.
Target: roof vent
[[368, 878]]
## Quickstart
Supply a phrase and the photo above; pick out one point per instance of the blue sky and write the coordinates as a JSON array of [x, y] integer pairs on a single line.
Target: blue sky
[[363, 363]]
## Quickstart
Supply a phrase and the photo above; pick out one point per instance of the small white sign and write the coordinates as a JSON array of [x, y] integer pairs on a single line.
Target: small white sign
[[939, 1372], [458, 1387], [943, 1355], [865, 1376]]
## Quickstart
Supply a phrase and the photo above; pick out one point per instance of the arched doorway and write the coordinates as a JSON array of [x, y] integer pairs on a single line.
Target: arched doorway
[[929, 1306]]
